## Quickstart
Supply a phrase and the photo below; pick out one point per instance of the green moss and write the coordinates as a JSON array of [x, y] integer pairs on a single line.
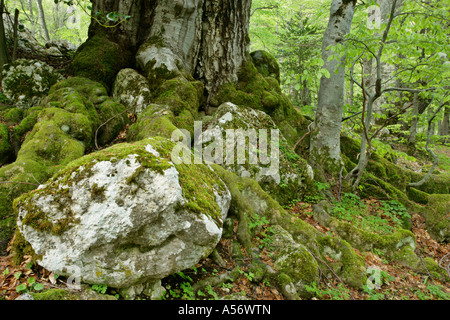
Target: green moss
[[437, 217], [301, 267], [417, 195], [99, 59], [266, 64], [435, 270], [26, 124], [61, 131], [248, 199], [20, 247], [347, 263], [199, 183], [51, 294], [13, 115], [156, 120], [397, 177], [5, 146], [179, 94]]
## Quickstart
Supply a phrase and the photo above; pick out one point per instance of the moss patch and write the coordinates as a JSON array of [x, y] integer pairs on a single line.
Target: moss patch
[[99, 59], [437, 217]]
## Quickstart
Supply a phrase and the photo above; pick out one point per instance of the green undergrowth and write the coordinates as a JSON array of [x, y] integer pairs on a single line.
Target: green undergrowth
[[383, 218]]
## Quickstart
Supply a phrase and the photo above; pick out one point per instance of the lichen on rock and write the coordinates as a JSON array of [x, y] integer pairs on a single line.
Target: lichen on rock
[[132, 90], [58, 132], [26, 82], [248, 142]]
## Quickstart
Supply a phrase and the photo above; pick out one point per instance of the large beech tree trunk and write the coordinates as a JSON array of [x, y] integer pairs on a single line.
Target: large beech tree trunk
[[209, 38]]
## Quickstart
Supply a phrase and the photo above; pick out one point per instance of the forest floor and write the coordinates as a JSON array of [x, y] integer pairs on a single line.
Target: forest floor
[[398, 283]]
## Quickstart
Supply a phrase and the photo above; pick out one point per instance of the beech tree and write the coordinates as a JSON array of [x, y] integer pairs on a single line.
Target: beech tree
[[325, 136], [207, 39]]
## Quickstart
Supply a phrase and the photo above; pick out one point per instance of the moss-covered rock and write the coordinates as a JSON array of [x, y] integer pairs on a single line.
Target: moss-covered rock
[[99, 59], [262, 92], [156, 120], [294, 260], [248, 200], [60, 294], [388, 180], [53, 135], [125, 212], [180, 94], [13, 115], [257, 150], [266, 64], [26, 82], [6, 152], [437, 217], [132, 90], [157, 62]]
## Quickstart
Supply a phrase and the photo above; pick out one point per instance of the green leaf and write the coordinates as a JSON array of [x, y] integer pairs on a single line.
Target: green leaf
[[21, 288], [38, 286]]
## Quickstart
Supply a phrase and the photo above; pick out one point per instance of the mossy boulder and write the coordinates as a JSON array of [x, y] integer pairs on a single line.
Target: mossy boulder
[[248, 142], [155, 120], [99, 59], [266, 64], [12, 115], [125, 216], [53, 135], [26, 82], [6, 152], [180, 94], [387, 179], [250, 200], [132, 90], [257, 89], [294, 260], [437, 217], [157, 62]]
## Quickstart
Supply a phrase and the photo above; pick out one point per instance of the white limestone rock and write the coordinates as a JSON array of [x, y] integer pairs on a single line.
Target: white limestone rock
[[125, 216], [132, 90], [278, 170]]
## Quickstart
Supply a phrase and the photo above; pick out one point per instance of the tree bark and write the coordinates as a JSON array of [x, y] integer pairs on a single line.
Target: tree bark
[[209, 38], [42, 21], [4, 55], [325, 138]]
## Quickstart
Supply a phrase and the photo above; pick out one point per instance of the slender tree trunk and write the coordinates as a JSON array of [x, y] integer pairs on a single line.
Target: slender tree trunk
[[414, 123], [4, 55], [42, 22], [445, 122], [325, 138]]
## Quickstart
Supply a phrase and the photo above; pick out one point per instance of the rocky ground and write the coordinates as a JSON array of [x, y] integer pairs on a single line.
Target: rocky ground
[[398, 283]]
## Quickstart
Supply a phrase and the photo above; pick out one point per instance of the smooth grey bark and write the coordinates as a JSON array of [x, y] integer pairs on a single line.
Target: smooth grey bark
[[209, 38], [430, 131], [325, 137], [444, 129], [414, 121], [370, 96], [42, 21], [4, 55]]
